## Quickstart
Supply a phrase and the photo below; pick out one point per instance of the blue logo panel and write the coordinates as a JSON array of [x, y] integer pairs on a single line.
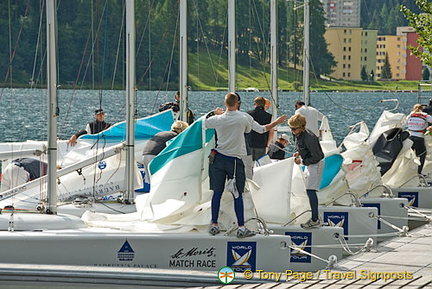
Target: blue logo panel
[[102, 165], [411, 196], [126, 253], [241, 256], [338, 219], [300, 241], [378, 206]]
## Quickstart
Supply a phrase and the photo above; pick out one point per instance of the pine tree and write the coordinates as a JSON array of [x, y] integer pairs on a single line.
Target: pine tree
[[425, 74], [386, 69], [363, 73]]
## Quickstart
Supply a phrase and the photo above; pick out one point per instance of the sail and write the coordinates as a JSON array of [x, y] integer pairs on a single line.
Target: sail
[[178, 175], [145, 128], [103, 178], [404, 167]]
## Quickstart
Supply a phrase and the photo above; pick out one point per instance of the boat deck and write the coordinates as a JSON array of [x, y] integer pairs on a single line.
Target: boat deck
[[406, 262]]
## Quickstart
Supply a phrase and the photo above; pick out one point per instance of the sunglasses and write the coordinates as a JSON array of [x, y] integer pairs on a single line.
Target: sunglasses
[[294, 128]]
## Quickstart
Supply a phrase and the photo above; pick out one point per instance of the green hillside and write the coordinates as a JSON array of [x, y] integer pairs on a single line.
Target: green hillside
[[209, 71]]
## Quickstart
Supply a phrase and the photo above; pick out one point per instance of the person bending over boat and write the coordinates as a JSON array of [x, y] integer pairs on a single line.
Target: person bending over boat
[[21, 171], [277, 149], [157, 143], [92, 127], [308, 153], [418, 123]]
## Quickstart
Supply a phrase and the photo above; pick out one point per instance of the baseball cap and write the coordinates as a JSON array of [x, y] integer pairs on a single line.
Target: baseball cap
[[285, 137], [99, 111]]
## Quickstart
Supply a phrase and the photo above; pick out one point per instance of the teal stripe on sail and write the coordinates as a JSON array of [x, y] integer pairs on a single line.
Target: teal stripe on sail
[[145, 128], [186, 142]]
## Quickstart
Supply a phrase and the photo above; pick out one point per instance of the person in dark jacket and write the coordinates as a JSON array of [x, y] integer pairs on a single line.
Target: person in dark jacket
[[175, 106], [258, 143], [157, 143], [21, 171], [92, 127], [308, 153], [277, 149]]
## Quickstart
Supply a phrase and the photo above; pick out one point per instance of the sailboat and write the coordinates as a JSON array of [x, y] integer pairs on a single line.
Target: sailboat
[[160, 234], [361, 223]]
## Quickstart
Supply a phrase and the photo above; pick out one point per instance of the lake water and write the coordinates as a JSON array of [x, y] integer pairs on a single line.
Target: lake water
[[23, 111]]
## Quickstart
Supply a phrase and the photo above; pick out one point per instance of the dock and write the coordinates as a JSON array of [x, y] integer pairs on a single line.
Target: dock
[[402, 262]]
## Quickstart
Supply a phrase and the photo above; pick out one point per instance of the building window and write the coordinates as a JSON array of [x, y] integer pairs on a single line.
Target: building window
[[343, 65], [343, 74], [344, 57], [349, 57], [344, 49], [365, 59], [349, 48], [349, 74], [349, 65]]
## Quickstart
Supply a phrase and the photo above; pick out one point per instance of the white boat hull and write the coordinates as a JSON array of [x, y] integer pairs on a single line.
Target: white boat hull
[[392, 210], [358, 223], [322, 242], [187, 251], [419, 197]]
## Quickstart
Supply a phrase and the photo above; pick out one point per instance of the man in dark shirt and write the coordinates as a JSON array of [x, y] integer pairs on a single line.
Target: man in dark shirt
[[175, 106], [92, 127], [21, 171], [258, 143]]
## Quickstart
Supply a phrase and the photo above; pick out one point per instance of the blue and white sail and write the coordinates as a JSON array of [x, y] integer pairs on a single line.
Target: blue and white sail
[[179, 175]]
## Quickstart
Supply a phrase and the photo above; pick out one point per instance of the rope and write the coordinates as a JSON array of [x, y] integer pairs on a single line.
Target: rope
[[12, 53]]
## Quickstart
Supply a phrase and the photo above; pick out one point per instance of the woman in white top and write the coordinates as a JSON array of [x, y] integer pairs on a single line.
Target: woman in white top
[[418, 123]]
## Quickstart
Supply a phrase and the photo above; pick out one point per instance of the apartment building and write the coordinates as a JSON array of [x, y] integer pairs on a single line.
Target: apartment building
[[403, 65], [352, 48], [342, 13]]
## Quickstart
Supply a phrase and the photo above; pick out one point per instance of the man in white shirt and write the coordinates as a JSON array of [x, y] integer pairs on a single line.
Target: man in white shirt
[[312, 116], [226, 161]]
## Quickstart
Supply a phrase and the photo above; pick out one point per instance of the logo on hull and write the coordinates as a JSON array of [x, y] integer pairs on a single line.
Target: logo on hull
[[241, 256], [300, 242], [126, 253], [411, 196], [338, 219]]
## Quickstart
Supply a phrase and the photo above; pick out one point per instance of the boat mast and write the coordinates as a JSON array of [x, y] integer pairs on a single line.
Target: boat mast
[[231, 46], [306, 53], [130, 99], [52, 107], [183, 61], [274, 58]]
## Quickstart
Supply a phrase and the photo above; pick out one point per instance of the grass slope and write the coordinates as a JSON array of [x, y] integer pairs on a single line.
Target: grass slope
[[208, 71]]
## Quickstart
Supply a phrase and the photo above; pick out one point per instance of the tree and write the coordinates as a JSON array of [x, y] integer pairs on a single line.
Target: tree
[[425, 74], [322, 60], [363, 73], [386, 69], [423, 25]]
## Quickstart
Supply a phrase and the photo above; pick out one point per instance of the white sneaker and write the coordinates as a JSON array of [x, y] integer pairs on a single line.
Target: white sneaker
[[311, 224]]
